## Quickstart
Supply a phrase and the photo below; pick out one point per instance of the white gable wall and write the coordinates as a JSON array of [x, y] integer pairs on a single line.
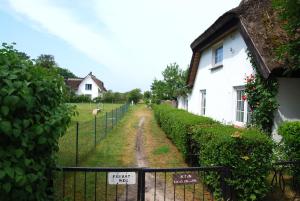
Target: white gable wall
[[219, 83], [288, 98], [81, 89]]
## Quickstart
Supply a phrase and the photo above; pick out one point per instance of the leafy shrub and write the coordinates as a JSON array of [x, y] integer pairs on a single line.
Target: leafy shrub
[[246, 151], [177, 124], [80, 99], [290, 132], [32, 118]]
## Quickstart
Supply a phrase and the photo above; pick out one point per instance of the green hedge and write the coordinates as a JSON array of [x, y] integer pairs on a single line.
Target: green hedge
[[247, 152], [290, 132], [33, 116], [177, 124]]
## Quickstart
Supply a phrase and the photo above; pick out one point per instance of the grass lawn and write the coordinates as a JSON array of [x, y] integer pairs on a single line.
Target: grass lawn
[[67, 148], [85, 110], [116, 150]]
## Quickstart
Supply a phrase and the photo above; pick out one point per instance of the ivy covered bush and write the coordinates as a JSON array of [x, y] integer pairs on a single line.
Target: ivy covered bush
[[32, 118], [247, 152], [290, 132]]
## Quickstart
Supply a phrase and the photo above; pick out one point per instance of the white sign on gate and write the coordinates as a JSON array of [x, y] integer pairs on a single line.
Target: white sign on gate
[[121, 177]]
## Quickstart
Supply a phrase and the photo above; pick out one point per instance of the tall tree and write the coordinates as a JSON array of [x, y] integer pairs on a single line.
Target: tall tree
[[46, 61], [65, 72], [135, 95], [172, 85]]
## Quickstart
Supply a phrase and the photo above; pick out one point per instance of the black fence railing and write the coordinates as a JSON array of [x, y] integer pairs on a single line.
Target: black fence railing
[[286, 180], [86, 135], [140, 184]]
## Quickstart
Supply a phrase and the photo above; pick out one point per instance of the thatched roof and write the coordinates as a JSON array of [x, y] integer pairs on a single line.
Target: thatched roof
[[260, 27]]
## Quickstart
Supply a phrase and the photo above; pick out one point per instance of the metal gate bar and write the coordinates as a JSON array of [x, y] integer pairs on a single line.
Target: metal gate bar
[[159, 177]]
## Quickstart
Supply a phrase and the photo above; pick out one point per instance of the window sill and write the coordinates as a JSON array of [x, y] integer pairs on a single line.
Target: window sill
[[237, 124], [216, 66]]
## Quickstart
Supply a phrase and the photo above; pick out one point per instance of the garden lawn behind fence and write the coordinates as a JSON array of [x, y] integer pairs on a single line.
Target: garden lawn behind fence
[[202, 140], [88, 126]]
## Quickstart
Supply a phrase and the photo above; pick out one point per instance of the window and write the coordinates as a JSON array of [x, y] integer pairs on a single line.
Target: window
[[88, 86], [243, 113], [218, 56], [240, 106], [186, 104], [203, 101]]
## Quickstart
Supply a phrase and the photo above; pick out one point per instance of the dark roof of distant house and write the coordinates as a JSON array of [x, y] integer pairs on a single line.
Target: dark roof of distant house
[[99, 83], [260, 27], [74, 83]]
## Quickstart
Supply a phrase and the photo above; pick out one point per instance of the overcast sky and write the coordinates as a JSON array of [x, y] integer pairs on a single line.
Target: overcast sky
[[125, 43]]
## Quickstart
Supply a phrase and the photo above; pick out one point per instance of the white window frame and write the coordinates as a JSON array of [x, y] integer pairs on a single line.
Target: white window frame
[[203, 102], [246, 113], [186, 104], [214, 49], [87, 88]]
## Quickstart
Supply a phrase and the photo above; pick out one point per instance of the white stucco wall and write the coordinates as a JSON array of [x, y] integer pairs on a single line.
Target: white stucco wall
[[289, 103], [182, 103], [219, 83], [81, 89]]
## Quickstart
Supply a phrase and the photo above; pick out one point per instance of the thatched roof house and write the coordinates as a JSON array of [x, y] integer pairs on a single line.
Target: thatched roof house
[[260, 27], [219, 65]]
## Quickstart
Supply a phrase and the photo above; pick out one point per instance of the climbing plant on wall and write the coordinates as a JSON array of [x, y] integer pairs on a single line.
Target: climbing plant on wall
[[261, 96]]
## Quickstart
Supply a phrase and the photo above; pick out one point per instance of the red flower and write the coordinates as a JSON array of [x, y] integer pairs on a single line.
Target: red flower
[[244, 97]]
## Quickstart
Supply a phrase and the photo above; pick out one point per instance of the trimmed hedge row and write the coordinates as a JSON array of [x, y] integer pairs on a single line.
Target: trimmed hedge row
[[290, 132], [246, 151], [177, 124]]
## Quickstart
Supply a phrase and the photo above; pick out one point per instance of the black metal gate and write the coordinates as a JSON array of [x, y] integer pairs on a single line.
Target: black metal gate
[[138, 184]]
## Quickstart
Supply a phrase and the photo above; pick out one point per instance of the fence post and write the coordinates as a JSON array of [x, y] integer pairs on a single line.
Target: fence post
[[116, 116], [105, 123], [226, 189], [141, 185], [76, 153], [112, 118], [95, 130]]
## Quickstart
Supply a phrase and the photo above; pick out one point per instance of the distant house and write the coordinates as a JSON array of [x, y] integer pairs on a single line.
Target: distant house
[[220, 64], [89, 86]]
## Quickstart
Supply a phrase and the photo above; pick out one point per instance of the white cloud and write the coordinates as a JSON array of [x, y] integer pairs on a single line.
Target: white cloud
[[143, 37], [61, 23]]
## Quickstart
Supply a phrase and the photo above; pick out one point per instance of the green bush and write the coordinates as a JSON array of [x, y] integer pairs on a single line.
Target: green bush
[[80, 99], [177, 124], [32, 118], [246, 151], [290, 132]]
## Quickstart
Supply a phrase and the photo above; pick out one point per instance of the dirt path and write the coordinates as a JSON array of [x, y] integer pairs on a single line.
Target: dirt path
[[151, 190], [144, 146]]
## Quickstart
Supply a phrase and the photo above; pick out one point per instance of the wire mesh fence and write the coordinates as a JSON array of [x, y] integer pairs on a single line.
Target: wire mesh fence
[[84, 136]]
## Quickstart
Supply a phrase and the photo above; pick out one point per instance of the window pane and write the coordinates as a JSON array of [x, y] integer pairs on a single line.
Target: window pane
[[203, 101], [240, 104], [219, 55], [248, 114]]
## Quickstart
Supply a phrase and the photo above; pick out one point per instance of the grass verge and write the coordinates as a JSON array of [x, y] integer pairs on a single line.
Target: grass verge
[[116, 150], [161, 152], [86, 137]]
